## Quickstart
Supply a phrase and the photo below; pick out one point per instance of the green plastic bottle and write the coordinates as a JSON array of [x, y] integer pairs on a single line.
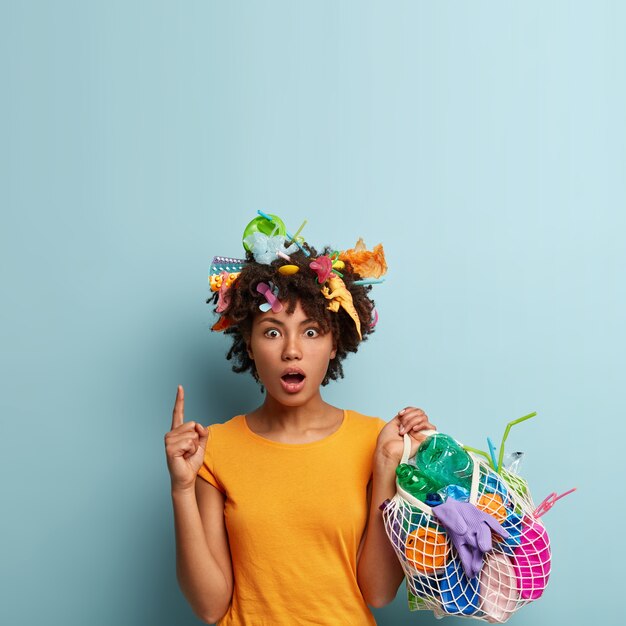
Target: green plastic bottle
[[442, 461], [413, 481]]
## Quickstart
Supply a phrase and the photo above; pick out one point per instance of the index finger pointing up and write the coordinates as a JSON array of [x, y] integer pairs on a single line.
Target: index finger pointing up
[[178, 416]]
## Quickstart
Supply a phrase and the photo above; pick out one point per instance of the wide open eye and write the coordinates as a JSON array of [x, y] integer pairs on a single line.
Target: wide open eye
[[312, 332], [269, 331]]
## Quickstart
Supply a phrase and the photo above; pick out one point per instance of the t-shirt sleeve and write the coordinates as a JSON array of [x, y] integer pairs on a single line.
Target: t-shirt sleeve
[[377, 424], [207, 470]]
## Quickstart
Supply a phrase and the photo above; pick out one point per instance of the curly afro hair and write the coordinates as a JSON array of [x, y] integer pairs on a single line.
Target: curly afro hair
[[303, 286]]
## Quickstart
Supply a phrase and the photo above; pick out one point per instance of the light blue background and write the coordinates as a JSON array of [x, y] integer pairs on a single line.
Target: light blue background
[[482, 142]]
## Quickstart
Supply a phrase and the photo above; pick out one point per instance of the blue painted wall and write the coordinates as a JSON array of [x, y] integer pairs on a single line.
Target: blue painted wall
[[482, 142]]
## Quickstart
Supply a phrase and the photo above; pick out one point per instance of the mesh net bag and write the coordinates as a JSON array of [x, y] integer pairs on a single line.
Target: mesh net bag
[[514, 573]]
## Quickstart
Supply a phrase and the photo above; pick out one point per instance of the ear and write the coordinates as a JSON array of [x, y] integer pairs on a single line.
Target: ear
[[333, 354], [249, 350]]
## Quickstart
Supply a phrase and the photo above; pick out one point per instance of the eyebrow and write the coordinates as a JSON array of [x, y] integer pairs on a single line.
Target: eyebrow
[[273, 320]]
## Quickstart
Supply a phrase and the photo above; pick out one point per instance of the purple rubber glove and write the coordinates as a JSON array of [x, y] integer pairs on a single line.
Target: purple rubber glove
[[470, 531]]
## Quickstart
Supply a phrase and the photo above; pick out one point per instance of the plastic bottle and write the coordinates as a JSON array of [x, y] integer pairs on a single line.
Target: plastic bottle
[[414, 481], [513, 461], [442, 461]]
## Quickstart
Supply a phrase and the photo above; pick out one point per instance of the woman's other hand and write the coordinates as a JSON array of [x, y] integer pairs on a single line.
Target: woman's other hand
[[184, 446], [409, 420]]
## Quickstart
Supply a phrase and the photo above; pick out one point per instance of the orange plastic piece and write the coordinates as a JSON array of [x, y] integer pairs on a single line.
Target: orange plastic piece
[[222, 324], [427, 549], [366, 263], [216, 280], [492, 503]]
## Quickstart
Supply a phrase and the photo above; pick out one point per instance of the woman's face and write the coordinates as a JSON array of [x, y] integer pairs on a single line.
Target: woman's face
[[291, 354]]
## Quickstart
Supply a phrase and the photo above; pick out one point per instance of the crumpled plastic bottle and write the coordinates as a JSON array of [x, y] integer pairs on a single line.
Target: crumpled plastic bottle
[[444, 462]]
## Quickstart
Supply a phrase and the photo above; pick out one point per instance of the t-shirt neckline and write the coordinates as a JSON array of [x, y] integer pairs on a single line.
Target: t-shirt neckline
[[310, 444]]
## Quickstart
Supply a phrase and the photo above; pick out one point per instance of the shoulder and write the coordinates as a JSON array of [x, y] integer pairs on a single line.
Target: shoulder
[[224, 440], [230, 428], [366, 421]]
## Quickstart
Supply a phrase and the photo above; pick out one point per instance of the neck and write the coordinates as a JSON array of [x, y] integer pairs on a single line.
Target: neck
[[315, 413]]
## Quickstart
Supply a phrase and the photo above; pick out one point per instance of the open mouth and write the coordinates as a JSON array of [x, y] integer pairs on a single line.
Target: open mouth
[[293, 382], [293, 379]]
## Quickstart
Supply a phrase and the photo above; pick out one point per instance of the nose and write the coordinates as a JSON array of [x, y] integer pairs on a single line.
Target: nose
[[291, 348]]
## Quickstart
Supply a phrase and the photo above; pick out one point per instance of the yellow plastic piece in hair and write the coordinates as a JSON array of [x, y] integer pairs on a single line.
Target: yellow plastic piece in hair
[[215, 280], [287, 270], [339, 296]]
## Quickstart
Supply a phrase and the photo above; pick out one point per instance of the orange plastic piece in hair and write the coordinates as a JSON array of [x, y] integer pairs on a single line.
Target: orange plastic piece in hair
[[367, 263], [222, 324]]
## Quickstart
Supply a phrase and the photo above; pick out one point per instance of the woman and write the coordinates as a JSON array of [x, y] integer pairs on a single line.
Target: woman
[[284, 525]]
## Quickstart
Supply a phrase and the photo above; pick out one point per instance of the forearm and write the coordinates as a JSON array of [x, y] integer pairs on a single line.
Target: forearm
[[379, 572], [200, 578]]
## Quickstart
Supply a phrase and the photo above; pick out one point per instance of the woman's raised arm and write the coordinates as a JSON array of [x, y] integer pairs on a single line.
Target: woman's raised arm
[[379, 572], [203, 563]]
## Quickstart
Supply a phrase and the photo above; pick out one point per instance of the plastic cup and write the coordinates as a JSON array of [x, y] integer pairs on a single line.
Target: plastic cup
[[459, 594], [498, 588], [532, 559]]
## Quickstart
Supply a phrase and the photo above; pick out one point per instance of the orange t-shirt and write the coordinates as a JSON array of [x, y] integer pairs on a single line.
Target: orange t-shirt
[[295, 515]]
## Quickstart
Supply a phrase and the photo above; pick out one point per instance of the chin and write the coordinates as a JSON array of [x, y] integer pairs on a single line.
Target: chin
[[291, 399]]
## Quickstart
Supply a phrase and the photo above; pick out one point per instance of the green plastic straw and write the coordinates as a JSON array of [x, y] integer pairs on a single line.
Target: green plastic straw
[[506, 434], [475, 451], [299, 229]]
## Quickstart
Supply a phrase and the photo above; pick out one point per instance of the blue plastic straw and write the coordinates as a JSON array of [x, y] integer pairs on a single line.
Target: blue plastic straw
[[266, 216], [492, 453], [368, 281]]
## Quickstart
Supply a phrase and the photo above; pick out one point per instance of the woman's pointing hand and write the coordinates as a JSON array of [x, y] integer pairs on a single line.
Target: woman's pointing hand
[[184, 446]]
